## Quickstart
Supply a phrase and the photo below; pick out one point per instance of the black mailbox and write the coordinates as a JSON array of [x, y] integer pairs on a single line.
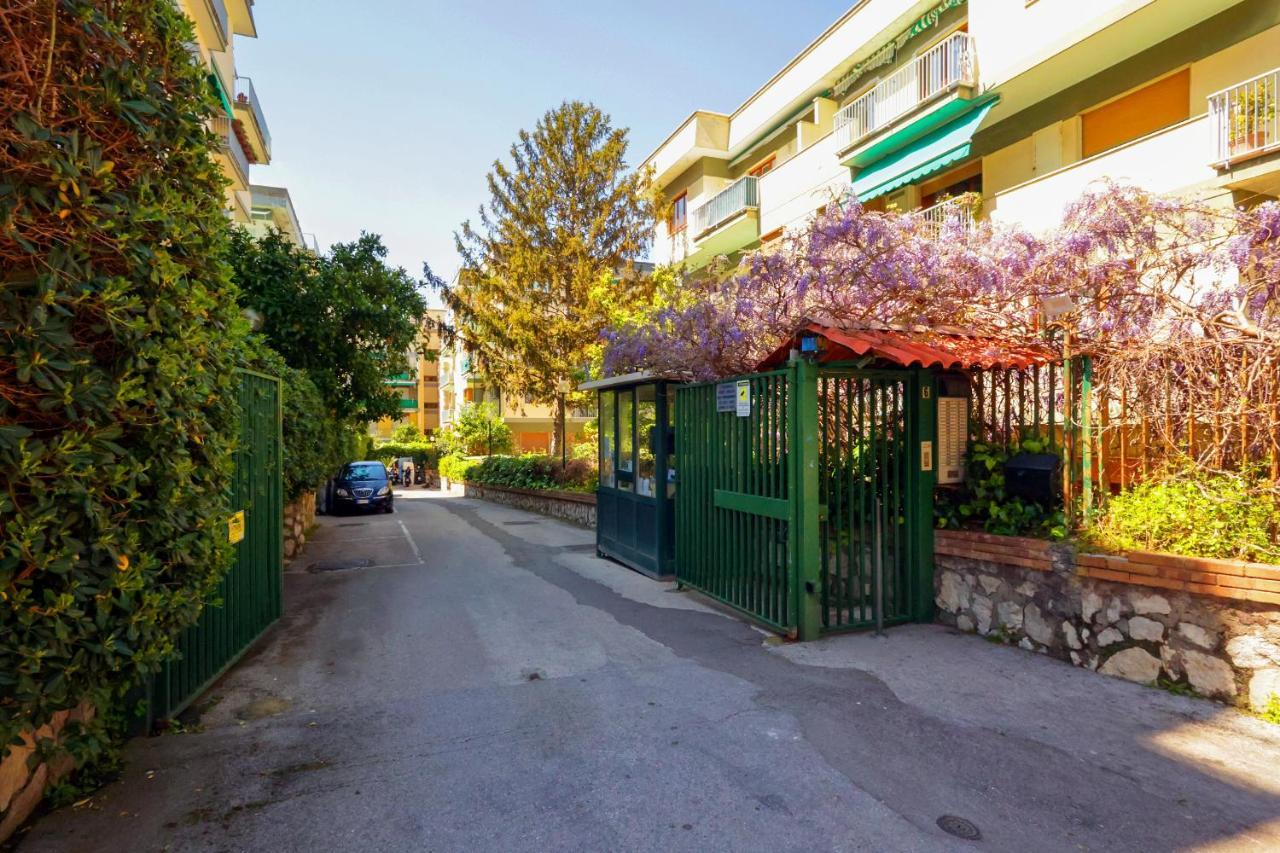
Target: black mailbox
[[1033, 477]]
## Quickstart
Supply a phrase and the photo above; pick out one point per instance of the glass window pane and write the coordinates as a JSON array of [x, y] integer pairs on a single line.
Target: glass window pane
[[608, 439], [671, 455], [626, 439], [646, 423]]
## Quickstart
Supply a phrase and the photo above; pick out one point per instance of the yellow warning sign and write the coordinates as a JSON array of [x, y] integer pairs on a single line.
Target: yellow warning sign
[[235, 527]]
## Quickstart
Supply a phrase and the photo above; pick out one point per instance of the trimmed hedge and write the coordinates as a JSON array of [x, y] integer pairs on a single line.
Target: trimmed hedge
[[119, 339], [521, 472]]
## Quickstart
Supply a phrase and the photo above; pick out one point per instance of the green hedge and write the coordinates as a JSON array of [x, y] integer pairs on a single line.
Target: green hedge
[[119, 339], [521, 472]]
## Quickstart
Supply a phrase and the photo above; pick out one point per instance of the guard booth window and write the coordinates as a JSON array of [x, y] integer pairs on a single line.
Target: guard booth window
[[646, 422], [626, 440], [608, 439]]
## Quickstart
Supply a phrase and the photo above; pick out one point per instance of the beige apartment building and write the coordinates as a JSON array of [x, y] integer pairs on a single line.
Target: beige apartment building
[[532, 424], [241, 126], [419, 387], [1006, 109]]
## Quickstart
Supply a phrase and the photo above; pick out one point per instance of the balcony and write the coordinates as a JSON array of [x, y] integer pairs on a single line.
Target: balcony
[[249, 114], [954, 213], [409, 404], [729, 221], [951, 66], [1243, 120], [229, 145]]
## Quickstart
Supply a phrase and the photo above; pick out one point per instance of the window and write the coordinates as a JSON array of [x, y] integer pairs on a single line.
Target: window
[[608, 438], [1136, 114], [626, 440], [678, 217], [646, 423], [763, 168]]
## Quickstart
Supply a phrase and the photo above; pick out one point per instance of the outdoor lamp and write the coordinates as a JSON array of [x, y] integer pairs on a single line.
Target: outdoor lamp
[[811, 345]]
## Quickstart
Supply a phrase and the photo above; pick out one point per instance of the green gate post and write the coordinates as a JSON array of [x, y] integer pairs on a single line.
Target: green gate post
[[924, 483], [1086, 434], [804, 503]]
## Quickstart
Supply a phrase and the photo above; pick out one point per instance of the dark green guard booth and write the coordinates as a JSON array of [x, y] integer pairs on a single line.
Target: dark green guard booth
[[635, 501]]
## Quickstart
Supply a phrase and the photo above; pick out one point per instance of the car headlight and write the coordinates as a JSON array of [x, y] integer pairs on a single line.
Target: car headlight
[[385, 490], [343, 493]]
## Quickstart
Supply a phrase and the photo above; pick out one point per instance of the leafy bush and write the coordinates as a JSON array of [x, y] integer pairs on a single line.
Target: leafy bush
[[984, 502], [479, 429], [522, 472], [119, 339], [456, 467], [423, 452], [1185, 510]]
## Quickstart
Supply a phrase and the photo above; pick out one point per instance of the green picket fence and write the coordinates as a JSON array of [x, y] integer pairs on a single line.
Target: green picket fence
[[250, 595]]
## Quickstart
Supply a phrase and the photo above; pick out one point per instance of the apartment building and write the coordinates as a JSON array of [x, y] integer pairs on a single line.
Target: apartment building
[[532, 424], [418, 387], [272, 207], [241, 126], [983, 108]]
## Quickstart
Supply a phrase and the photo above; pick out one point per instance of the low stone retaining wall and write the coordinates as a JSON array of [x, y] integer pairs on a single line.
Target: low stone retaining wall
[[578, 507], [299, 517], [1213, 625], [22, 786]]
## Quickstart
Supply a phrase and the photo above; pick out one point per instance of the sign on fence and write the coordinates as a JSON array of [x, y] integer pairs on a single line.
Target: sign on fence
[[744, 398], [726, 397]]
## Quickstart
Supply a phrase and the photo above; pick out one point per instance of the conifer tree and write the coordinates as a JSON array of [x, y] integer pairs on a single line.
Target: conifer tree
[[550, 256]]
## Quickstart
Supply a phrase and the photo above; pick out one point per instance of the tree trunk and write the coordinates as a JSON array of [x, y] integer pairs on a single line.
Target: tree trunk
[[559, 443]]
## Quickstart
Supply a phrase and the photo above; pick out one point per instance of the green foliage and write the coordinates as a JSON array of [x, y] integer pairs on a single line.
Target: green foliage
[[1196, 513], [479, 429], [408, 434], [532, 471], [119, 339], [549, 263], [984, 502], [346, 318], [455, 467], [424, 453], [1271, 713], [588, 450]]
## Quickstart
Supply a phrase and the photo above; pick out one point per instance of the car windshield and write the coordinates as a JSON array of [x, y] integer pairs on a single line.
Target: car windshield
[[365, 471]]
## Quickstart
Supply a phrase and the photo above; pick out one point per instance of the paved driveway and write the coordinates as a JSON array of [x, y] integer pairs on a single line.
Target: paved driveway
[[462, 676]]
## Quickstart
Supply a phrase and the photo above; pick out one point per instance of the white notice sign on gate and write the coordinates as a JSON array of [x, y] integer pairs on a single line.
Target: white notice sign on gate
[[744, 398]]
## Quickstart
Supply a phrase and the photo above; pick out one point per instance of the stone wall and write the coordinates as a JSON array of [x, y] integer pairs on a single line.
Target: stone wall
[[1212, 625], [577, 507], [299, 517], [22, 785]]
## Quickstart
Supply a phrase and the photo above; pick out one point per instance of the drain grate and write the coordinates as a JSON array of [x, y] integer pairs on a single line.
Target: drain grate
[[518, 523], [338, 565], [353, 524], [959, 827]]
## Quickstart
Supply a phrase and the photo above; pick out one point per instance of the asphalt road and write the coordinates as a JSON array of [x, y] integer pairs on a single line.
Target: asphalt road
[[462, 676]]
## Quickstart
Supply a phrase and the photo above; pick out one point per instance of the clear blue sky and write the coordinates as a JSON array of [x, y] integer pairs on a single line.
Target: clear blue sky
[[385, 115]]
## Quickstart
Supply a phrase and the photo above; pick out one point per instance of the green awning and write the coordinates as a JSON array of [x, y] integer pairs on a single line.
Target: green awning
[[944, 146], [221, 92]]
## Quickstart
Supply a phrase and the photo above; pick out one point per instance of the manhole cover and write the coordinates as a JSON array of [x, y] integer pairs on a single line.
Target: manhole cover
[[959, 827], [338, 565], [518, 523]]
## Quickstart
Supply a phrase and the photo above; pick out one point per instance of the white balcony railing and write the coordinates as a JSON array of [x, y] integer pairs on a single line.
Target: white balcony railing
[[958, 212], [246, 95], [230, 143], [1244, 120], [948, 65], [742, 194]]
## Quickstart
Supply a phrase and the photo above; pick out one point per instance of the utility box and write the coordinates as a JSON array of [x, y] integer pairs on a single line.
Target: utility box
[[1033, 477]]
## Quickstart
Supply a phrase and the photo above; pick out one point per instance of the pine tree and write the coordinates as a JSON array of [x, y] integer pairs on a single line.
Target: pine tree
[[565, 214]]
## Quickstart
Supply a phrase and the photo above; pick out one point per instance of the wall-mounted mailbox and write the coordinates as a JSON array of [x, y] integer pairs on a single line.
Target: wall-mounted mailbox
[[1033, 477]]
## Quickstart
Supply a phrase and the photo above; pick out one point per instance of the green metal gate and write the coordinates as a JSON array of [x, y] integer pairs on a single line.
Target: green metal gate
[[810, 509], [250, 595], [734, 512]]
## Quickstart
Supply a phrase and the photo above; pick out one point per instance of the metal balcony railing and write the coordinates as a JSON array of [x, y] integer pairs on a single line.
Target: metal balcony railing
[[959, 212], [246, 95], [231, 145], [1244, 120], [948, 65], [742, 194]]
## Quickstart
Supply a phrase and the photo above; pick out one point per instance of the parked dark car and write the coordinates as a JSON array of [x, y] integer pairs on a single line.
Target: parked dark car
[[361, 486]]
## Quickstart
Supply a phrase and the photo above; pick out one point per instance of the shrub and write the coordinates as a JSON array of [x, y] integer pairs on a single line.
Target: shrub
[[531, 472], [456, 467], [984, 501], [119, 339], [1188, 511]]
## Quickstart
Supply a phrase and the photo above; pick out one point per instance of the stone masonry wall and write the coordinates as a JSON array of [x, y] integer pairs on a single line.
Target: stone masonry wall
[[1138, 617], [569, 506], [22, 785], [299, 517]]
